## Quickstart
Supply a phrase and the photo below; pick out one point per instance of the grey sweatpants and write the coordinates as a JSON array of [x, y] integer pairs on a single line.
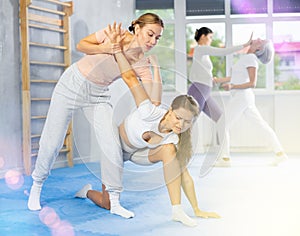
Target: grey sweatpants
[[74, 92]]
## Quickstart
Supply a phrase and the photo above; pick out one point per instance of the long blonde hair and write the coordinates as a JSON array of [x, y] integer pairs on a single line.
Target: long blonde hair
[[184, 146]]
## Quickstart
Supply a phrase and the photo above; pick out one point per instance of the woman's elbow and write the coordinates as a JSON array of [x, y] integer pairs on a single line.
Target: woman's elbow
[[79, 47]]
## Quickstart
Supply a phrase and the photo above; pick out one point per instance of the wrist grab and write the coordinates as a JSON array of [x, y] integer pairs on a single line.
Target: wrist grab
[[116, 48]]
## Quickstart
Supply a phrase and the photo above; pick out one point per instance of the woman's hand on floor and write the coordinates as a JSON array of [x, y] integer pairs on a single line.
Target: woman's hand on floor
[[206, 215]]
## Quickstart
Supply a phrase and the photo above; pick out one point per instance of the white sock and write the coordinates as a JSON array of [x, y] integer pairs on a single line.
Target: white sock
[[280, 157], [82, 193], [179, 215], [34, 197], [116, 208]]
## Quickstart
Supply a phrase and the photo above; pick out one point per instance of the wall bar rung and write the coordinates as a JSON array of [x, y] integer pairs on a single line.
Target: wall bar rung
[[35, 136], [38, 117], [48, 45], [34, 155], [40, 99], [44, 19], [47, 63], [47, 10], [47, 28], [44, 81], [59, 3]]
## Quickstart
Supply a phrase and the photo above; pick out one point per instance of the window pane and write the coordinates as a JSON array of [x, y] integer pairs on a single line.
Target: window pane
[[166, 14], [165, 52], [241, 34], [286, 6], [204, 7], [154, 4], [248, 7], [287, 55], [165, 48], [219, 63]]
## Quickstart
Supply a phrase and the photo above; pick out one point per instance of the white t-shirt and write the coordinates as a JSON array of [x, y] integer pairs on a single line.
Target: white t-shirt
[[239, 73], [201, 69], [147, 118]]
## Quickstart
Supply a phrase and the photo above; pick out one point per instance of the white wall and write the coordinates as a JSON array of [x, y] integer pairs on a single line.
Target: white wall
[[92, 15], [10, 88], [287, 120]]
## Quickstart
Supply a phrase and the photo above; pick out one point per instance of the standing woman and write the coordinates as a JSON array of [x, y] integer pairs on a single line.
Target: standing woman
[[201, 73], [243, 79], [84, 85]]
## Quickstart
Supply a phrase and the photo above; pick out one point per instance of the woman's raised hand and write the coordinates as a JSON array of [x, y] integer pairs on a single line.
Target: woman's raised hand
[[115, 35], [249, 42]]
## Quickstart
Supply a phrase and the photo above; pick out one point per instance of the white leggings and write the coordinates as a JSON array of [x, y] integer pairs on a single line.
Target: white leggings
[[71, 93], [243, 102]]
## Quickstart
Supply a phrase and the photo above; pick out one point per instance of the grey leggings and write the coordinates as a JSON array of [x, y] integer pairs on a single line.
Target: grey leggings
[[74, 92], [202, 93]]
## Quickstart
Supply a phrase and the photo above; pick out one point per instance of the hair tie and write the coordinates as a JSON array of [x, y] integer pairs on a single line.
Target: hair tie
[[131, 28]]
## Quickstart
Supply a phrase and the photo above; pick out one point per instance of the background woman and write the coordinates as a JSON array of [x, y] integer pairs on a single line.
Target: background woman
[[202, 78], [243, 79], [84, 85]]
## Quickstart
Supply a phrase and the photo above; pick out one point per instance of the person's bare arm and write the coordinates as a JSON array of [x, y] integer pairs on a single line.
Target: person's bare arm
[[128, 75], [221, 80], [216, 51], [90, 45], [252, 71], [154, 88], [189, 190]]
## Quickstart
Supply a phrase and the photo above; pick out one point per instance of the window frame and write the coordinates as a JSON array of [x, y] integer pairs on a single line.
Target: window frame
[[181, 20]]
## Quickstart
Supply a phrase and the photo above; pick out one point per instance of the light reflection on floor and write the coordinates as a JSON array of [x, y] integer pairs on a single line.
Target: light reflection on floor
[[252, 197]]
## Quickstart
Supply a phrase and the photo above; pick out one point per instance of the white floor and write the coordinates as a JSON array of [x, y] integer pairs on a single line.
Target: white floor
[[253, 198]]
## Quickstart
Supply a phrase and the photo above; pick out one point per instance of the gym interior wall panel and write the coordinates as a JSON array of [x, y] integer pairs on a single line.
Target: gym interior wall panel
[[287, 120], [10, 88]]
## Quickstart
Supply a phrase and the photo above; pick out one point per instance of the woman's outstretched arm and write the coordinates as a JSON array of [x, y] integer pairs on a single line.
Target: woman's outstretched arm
[[156, 84], [189, 190], [128, 75]]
